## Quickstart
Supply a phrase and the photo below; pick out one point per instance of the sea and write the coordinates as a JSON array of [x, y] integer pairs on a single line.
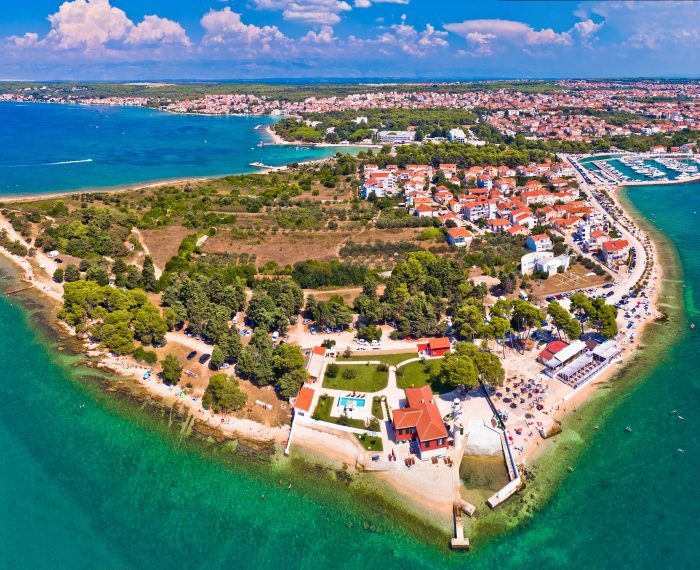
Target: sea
[[55, 147], [92, 479]]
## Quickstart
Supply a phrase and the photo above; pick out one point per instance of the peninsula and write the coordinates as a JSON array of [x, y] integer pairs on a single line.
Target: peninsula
[[446, 296]]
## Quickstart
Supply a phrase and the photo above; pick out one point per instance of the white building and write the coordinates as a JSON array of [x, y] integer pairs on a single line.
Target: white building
[[397, 137], [457, 135]]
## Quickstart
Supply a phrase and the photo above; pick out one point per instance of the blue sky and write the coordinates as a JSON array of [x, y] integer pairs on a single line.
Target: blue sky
[[248, 39]]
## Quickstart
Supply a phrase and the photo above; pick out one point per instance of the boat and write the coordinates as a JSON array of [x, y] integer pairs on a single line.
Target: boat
[[692, 326], [261, 144], [628, 429]]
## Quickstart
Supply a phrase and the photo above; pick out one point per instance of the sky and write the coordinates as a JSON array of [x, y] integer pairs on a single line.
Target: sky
[[402, 39]]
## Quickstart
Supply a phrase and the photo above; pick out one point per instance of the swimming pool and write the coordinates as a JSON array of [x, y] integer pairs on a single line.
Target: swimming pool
[[346, 402]]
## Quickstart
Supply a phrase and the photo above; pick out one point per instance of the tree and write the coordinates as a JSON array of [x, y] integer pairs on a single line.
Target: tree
[[58, 275], [71, 274], [231, 345], [223, 394], [217, 358], [369, 332], [458, 369], [149, 326], [97, 274], [290, 372], [171, 370], [148, 274], [490, 368], [468, 319]]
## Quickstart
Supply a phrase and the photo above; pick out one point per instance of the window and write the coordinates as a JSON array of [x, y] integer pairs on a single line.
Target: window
[[426, 444]]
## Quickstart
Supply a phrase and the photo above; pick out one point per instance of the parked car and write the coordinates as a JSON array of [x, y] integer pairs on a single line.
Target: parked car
[[191, 355], [204, 358]]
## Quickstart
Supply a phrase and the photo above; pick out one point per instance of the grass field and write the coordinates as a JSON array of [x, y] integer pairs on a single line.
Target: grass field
[[370, 443], [368, 378], [417, 374]]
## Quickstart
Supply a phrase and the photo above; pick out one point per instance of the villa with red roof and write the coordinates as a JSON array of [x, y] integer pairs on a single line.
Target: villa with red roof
[[421, 421], [615, 251]]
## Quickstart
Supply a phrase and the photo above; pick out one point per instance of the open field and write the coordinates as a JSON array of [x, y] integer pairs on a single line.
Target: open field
[[577, 278], [368, 378], [417, 374], [163, 243]]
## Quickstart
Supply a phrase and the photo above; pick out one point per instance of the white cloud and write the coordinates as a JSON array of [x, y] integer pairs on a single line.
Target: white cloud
[[88, 23], [484, 35], [29, 39], [648, 25], [587, 30], [226, 27], [368, 3], [323, 36], [324, 12], [156, 30], [406, 38], [98, 28]]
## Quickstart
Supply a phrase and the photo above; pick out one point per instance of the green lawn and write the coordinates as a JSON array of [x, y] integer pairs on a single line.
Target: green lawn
[[377, 410], [370, 442], [390, 359], [323, 413], [417, 374], [367, 379]]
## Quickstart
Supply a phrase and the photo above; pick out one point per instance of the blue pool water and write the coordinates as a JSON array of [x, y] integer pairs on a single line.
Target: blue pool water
[[344, 402]]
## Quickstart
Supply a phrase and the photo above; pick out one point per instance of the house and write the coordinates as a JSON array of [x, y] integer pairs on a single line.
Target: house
[[457, 135], [435, 346], [615, 251], [425, 211], [499, 225], [658, 149], [552, 265], [540, 242], [303, 401], [517, 230], [421, 421], [129, 246], [314, 366], [459, 237]]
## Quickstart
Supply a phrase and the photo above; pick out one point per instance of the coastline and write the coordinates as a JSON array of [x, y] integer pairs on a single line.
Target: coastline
[[549, 467]]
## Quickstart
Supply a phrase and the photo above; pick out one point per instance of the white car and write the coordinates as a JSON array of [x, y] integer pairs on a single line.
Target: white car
[[375, 343]]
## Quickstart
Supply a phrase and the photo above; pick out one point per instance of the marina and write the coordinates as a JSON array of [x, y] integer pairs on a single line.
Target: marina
[[640, 168]]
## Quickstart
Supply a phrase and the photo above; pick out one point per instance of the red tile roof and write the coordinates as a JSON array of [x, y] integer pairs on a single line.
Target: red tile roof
[[439, 343], [304, 399], [424, 411], [551, 349]]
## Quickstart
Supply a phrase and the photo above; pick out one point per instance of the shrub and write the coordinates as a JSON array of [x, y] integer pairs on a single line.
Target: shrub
[[349, 373], [148, 356], [332, 370]]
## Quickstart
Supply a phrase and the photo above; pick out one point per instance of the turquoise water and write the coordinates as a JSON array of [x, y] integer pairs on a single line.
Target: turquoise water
[[88, 480], [51, 147], [103, 486], [359, 402]]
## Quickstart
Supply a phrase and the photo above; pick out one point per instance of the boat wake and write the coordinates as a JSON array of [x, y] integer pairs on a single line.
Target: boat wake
[[67, 162]]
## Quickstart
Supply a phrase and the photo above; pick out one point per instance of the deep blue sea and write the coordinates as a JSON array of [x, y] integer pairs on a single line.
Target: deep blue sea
[[89, 481], [52, 147]]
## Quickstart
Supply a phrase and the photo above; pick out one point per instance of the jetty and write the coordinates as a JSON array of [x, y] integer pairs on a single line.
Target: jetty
[[18, 290], [459, 542]]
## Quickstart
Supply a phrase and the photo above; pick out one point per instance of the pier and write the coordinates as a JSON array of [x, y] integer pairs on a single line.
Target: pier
[[459, 542], [18, 290]]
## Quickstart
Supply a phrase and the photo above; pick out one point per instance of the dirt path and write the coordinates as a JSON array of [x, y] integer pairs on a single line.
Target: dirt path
[[146, 251]]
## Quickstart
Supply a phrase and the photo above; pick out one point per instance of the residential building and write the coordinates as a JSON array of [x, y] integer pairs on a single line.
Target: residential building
[[459, 237], [421, 421], [540, 242]]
